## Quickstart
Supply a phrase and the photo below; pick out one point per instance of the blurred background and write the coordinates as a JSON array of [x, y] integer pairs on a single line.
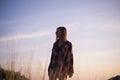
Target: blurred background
[[27, 34]]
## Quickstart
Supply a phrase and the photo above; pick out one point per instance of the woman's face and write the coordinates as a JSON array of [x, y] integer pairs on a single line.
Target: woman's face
[[58, 34]]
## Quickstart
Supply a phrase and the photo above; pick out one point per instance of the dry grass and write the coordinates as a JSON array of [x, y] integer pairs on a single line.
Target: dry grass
[[10, 72], [25, 67]]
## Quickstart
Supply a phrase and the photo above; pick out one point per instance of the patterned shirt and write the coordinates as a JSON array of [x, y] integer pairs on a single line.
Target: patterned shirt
[[62, 58]]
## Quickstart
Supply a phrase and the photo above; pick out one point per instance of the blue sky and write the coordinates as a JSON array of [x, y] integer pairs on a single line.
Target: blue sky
[[93, 28]]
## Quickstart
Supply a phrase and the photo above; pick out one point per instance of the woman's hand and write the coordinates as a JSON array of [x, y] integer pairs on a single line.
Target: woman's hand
[[70, 75]]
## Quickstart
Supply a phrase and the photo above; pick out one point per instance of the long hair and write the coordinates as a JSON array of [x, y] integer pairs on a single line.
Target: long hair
[[63, 37]]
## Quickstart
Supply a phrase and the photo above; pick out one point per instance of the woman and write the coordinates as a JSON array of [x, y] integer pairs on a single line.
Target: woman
[[61, 63]]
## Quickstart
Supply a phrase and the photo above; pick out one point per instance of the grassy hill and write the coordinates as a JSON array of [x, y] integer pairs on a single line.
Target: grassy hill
[[11, 75]]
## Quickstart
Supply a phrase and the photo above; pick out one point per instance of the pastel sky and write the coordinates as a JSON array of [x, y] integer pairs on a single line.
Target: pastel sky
[[27, 27]]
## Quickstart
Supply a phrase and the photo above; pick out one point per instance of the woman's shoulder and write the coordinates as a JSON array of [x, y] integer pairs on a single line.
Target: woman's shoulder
[[68, 43]]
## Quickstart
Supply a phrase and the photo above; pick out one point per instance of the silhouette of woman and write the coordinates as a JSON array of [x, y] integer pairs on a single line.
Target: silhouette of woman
[[61, 64]]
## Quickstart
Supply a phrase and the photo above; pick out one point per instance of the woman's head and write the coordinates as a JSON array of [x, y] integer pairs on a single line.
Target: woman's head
[[61, 34]]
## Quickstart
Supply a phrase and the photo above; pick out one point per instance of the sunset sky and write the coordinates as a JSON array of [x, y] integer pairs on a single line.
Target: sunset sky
[[28, 28]]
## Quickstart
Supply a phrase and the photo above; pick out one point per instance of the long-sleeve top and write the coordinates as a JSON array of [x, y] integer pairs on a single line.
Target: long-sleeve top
[[62, 58]]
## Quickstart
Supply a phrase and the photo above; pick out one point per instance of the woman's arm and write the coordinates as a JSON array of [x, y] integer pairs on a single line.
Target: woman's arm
[[70, 63]]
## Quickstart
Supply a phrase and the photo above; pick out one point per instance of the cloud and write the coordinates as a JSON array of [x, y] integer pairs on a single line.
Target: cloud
[[25, 36]]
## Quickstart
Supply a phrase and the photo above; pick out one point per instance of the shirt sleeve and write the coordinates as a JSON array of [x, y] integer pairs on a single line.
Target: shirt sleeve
[[70, 60], [51, 60]]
